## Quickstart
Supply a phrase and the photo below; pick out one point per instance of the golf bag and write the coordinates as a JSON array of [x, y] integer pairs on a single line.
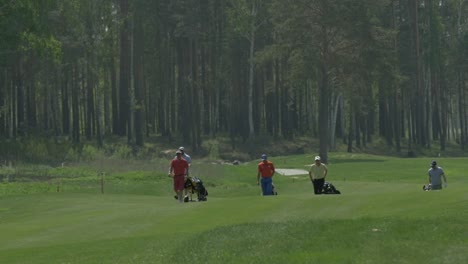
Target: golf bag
[[194, 185], [427, 187], [328, 188]]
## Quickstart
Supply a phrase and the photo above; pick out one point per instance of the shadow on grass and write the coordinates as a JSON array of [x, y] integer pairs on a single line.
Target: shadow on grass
[[295, 242]]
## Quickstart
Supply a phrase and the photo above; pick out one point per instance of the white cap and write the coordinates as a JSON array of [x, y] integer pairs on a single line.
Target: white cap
[[317, 157], [181, 148]]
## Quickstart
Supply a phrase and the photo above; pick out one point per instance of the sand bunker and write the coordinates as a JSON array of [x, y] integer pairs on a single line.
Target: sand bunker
[[291, 172]]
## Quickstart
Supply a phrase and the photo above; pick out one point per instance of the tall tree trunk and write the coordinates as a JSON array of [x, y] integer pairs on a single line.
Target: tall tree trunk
[[324, 97], [276, 98], [461, 82], [20, 102], [66, 81], [131, 92], [115, 97], [357, 130], [3, 85], [251, 72], [365, 130], [46, 111], [32, 103], [125, 69], [351, 129], [173, 113], [89, 118], [106, 93], [184, 82], [98, 109], [195, 87], [343, 119], [99, 115], [13, 109], [462, 110], [334, 117], [138, 40], [54, 105], [398, 116], [421, 99], [75, 104], [163, 108], [397, 119], [251, 77]]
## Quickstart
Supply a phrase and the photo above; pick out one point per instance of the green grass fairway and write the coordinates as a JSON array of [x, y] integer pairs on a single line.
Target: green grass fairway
[[382, 216]]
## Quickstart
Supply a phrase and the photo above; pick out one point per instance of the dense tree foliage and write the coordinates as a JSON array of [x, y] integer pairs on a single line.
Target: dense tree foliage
[[338, 70]]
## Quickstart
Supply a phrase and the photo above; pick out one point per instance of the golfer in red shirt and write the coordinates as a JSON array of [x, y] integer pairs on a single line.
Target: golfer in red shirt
[[266, 170], [178, 171]]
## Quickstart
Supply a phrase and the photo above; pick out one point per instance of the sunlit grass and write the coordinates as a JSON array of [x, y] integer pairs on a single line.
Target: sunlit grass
[[382, 216]]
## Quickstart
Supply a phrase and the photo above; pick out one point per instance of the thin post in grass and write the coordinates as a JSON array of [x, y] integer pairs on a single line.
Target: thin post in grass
[[102, 182], [102, 175], [58, 184]]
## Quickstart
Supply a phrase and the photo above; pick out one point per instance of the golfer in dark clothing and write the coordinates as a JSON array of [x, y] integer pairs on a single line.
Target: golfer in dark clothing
[[317, 174], [435, 176]]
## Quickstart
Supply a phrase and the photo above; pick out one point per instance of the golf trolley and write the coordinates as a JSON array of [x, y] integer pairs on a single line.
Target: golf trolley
[[328, 188], [194, 185]]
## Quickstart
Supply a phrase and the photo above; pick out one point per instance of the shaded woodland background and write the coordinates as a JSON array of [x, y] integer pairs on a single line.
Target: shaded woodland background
[[338, 71]]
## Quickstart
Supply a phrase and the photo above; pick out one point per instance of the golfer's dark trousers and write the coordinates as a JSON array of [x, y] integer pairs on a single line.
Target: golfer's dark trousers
[[318, 185]]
